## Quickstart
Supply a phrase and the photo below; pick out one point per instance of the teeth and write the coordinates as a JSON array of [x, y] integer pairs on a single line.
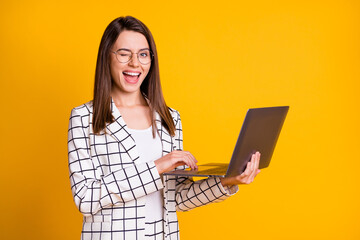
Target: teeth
[[132, 73]]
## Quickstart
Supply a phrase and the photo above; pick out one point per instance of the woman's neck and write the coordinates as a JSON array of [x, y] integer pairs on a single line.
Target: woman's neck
[[128, 99]]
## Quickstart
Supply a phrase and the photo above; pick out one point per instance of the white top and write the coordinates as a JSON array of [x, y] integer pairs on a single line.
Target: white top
[[150, 149]]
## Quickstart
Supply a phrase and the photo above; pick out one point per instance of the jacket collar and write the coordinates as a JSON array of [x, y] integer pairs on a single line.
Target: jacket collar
[[119, 131]]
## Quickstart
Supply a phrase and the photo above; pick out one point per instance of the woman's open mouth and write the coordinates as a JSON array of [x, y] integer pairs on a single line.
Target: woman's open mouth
[[131, 77]]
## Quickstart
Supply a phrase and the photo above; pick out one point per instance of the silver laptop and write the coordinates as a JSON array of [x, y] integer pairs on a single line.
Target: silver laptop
[[260, 132]]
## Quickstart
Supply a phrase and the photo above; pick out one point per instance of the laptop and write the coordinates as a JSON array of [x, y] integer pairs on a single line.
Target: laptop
[[259, 132]]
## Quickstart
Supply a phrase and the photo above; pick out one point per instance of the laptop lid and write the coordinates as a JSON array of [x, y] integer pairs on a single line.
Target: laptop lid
[[260, 132]]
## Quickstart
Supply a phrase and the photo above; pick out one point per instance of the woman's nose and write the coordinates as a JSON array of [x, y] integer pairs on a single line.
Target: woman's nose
[[134, 61]]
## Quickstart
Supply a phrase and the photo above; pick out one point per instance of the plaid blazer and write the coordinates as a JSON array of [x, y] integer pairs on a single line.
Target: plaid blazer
[[109, 184]]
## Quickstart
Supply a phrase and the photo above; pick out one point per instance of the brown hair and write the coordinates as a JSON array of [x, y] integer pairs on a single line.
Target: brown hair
[[150, 87]]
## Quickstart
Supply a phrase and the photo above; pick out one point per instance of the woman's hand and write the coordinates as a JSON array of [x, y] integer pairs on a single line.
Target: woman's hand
[[252, 169], [174, 159]]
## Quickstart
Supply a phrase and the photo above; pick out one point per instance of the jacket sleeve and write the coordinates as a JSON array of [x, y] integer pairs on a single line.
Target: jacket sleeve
[[191, 194], [92, 193]]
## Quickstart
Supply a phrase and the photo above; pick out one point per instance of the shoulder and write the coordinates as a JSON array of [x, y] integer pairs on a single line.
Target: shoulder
[[175, 115], [83, 109], [80, 116]]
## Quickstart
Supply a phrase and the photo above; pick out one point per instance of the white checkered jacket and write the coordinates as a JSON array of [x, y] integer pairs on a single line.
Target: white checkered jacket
[[109, 184]]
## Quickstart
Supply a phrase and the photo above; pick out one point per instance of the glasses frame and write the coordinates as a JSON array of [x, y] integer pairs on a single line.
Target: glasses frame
[[132, 54]]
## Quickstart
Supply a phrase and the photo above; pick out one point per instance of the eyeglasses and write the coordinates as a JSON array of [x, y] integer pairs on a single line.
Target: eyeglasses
[[124, 56]]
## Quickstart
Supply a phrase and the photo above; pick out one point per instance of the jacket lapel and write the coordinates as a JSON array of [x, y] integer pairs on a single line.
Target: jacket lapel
[[119, 131], [165, 137]]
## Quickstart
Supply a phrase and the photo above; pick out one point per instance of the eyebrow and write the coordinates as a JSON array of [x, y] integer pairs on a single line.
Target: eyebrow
[[126, 49]]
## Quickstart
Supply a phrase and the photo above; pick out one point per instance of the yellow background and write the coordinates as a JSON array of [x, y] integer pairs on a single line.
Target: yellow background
[[217, 59]]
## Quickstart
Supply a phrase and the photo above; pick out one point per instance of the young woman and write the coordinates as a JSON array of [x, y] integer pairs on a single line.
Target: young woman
[[122, 141]]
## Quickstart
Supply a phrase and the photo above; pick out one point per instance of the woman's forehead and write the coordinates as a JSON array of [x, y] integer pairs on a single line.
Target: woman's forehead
[[131, 40]]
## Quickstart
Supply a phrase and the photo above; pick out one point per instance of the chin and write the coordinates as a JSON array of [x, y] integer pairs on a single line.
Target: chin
[[130, 88]]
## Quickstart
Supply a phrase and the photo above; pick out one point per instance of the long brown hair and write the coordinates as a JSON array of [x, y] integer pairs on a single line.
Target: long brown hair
[[150, 87]]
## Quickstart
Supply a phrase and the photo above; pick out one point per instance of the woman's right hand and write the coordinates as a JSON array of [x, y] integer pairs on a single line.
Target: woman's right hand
[[174, 159]]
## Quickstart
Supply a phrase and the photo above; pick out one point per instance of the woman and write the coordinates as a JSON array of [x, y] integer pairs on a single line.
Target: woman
[[122, 141]]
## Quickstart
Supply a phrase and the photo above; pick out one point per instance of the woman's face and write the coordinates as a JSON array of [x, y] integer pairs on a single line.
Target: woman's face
[[127, 77]]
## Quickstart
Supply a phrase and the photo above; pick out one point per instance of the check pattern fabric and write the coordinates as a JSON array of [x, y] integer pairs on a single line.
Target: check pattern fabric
[[155, 230], [109, 183]]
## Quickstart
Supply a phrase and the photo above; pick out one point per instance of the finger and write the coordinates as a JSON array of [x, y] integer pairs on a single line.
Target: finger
[[190, 161], [188, 155], [186, 163], [254, 162], [186, 160], [194, 164], [253, 174], [179, 160], [251, 164], [194, 161], [251, 167], [250, 172], [247, 170], [258, 160], [191, 156], [178, 164]]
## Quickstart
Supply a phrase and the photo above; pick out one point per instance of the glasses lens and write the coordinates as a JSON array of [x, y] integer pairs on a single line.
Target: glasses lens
[[123, 56], [144, 56]]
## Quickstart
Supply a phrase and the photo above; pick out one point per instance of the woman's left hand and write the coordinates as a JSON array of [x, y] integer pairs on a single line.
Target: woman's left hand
[[247, 176]]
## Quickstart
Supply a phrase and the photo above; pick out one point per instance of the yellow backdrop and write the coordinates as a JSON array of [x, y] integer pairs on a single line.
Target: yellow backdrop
[[217, 59]]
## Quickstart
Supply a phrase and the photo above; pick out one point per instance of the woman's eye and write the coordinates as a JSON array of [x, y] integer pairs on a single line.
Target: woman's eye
[[123, 53], [143, 54]]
